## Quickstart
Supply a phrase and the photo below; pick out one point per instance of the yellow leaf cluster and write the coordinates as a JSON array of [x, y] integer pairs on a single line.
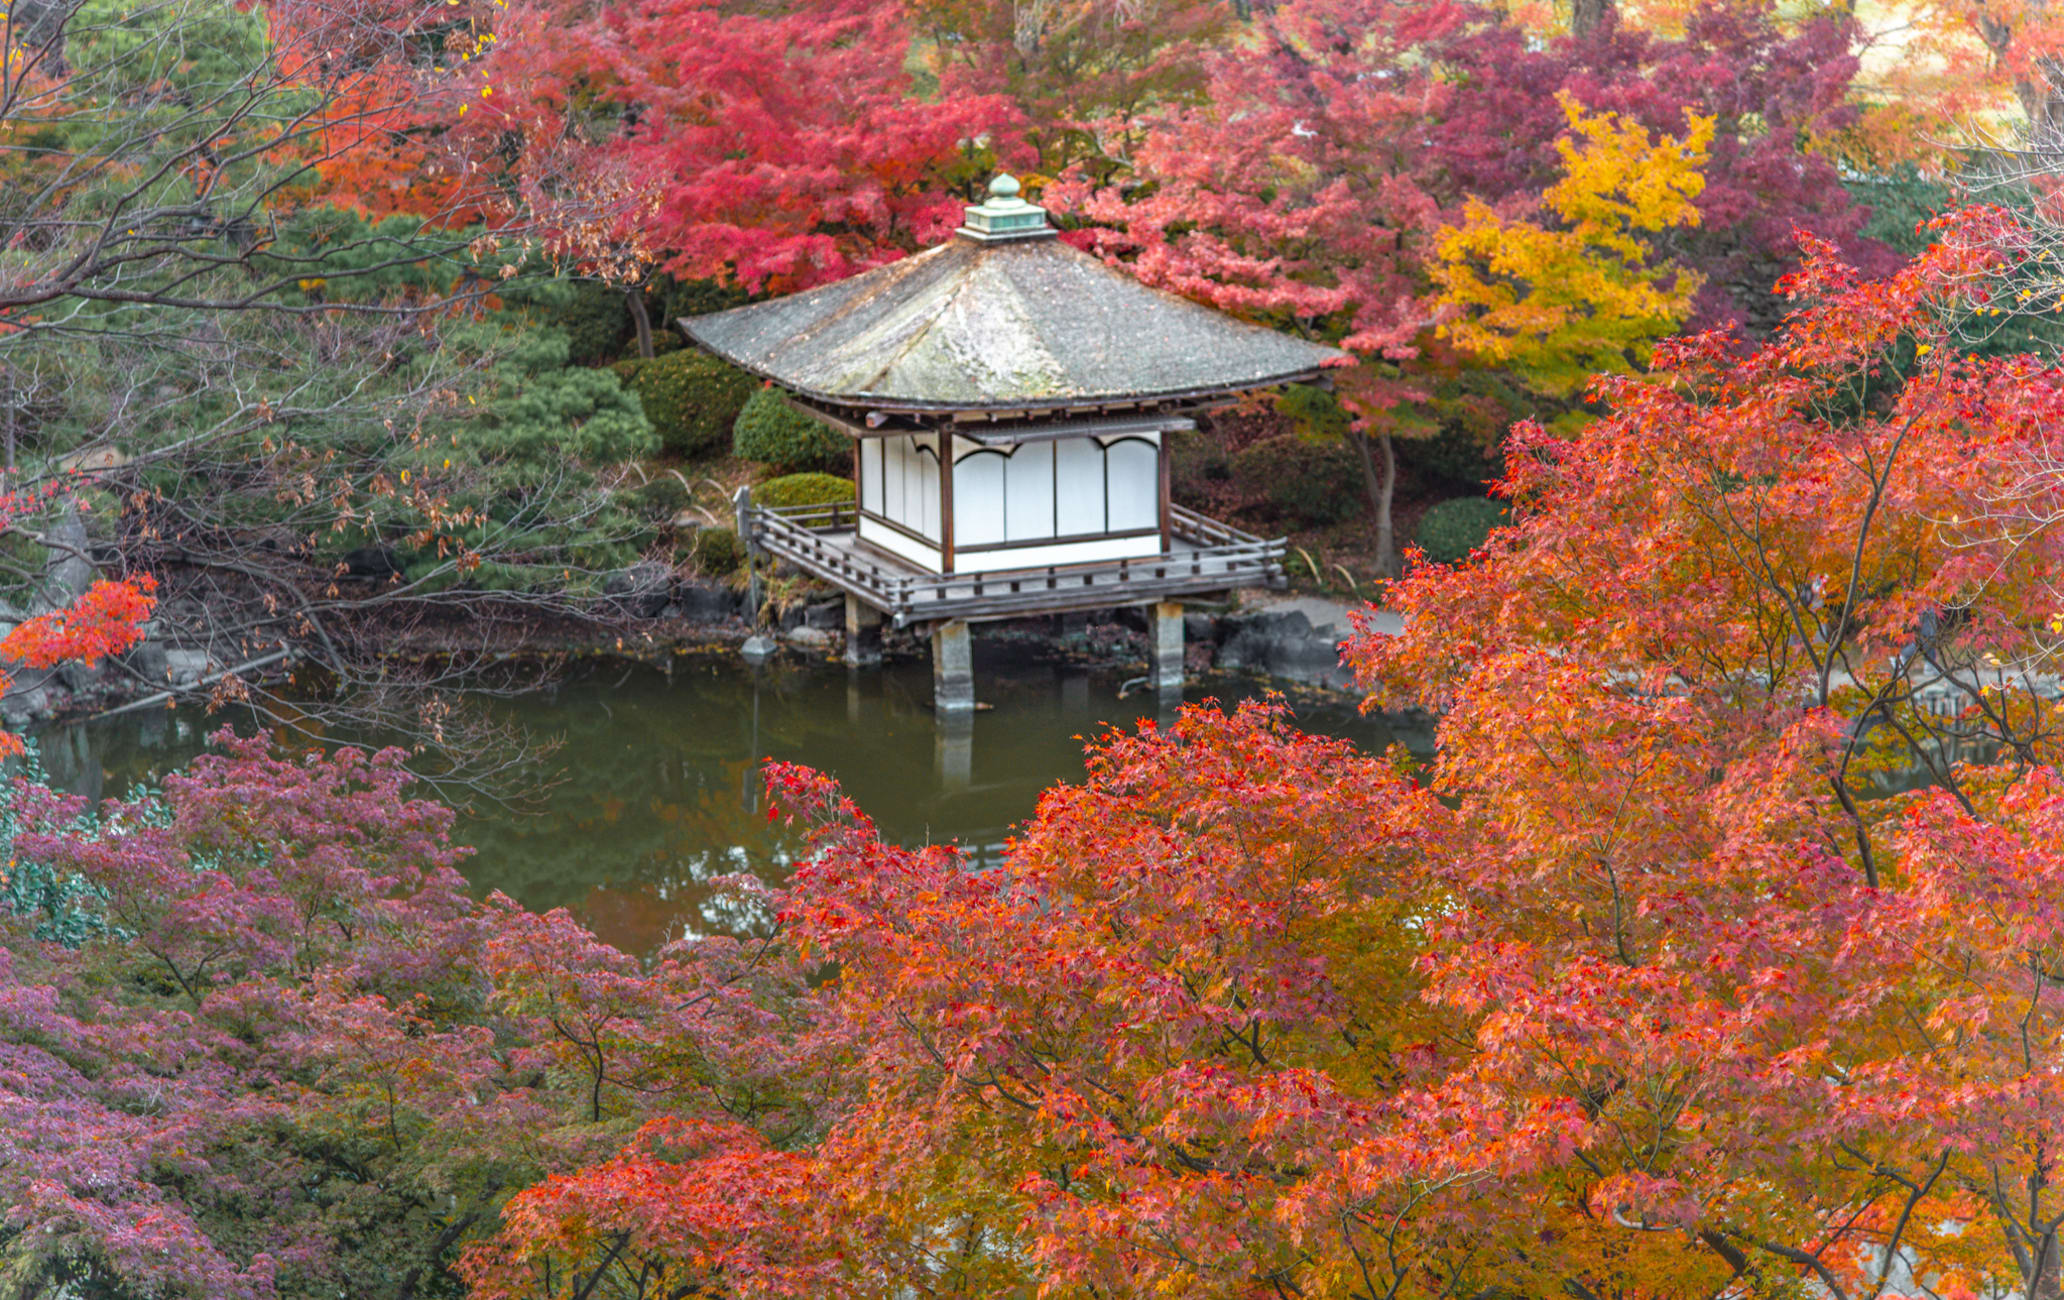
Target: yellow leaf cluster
[[1576, 289]]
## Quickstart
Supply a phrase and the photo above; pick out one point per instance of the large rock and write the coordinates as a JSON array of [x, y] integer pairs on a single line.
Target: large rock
[[702, 601], [1282, 645], [808, 638], [24, 705], [148, 660], [78, 676], [184, 668], [641, 591], [69, 571]]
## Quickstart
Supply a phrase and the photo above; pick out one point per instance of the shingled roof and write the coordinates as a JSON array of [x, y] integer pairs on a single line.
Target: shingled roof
[[1000, 321]]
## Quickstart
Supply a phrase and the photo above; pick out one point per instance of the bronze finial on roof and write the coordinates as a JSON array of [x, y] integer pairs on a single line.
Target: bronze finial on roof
[[1005, 216]]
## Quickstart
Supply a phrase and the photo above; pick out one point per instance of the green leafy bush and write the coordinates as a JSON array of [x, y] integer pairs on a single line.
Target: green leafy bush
[[1311, 482], [717, 551], [772, 431], [537, 431], [1456, 452], [662, 498], [596, 321], [804, 490], [673, 299], [1452, 529], [1197, 462], [690, 397]]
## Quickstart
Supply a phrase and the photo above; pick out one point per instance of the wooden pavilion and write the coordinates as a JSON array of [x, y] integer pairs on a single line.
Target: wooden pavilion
[[1009, 398]]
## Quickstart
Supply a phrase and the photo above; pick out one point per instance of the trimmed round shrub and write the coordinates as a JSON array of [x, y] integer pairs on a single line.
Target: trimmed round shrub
[[690, 397], [1452, 529], [717, 551], [1310, 482], [773, 432], [804, 490]]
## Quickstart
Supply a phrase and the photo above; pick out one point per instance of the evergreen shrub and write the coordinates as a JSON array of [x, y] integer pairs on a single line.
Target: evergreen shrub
[[691, 398], [596, 321], [804, 490], [1456, 453], [718, 552], [773, 432], [1309, 481], [1453, 529], [662, 498]]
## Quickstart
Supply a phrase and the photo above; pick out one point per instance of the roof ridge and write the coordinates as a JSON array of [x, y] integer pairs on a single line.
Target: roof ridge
[[917, 336]]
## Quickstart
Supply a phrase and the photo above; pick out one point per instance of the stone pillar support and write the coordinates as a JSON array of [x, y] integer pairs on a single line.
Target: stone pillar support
[[863, 633], [1166, 648], [953, 668]]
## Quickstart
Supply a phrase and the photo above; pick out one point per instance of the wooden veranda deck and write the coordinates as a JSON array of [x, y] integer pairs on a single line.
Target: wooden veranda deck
[[1206, 557]]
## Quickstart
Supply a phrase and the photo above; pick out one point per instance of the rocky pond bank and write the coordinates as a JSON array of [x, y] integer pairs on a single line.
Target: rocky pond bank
[[651, 610], [1293, 637]]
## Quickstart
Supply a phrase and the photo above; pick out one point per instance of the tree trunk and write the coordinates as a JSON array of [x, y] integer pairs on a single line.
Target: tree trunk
[[1381, 487], [634, 298], [1587, 16]]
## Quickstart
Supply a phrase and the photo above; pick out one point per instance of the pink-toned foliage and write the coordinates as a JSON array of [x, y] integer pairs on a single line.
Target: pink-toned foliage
[[774, 148], [1332, 144], [259, 1041]]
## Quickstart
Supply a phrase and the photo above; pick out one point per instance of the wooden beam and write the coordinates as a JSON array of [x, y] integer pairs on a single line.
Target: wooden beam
[[1167, 501], [946, 502]]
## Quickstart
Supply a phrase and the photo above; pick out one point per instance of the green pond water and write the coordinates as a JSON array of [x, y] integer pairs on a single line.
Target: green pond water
[[653, 790]]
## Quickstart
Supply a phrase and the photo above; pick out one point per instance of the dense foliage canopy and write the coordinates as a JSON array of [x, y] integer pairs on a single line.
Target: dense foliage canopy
[[1661, 980]]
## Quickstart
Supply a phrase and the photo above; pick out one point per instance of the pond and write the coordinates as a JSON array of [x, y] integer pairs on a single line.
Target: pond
[[656, 789]]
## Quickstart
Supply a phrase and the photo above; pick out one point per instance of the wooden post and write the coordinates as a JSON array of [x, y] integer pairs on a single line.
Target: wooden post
[[953, 668], [1167, 499], [863, 633], [946, 502], [1167, 651], [758, 646]]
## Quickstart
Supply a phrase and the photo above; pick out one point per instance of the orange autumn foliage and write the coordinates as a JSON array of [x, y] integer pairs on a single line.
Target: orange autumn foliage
[[106, 619], [1649, 990]]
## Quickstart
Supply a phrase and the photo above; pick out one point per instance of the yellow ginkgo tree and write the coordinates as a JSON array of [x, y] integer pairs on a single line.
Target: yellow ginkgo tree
[[1575, 287]]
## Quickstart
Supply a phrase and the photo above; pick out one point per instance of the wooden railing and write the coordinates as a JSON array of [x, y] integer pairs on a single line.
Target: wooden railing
[[1219, 557], [798, 534]]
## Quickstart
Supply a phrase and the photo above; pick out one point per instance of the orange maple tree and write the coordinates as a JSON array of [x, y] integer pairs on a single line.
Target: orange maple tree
[[1650, 985]]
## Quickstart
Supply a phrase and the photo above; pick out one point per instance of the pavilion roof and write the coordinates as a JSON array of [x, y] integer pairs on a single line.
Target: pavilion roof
[[1001, 324]]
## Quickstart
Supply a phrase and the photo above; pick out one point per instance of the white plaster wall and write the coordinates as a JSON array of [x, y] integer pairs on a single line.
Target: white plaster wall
[[871, 475], [926, 470], [909, 483], [1133, 473], [1078, 487], [1030, 557], [895, 543], [1028, 512], [978, 508]]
